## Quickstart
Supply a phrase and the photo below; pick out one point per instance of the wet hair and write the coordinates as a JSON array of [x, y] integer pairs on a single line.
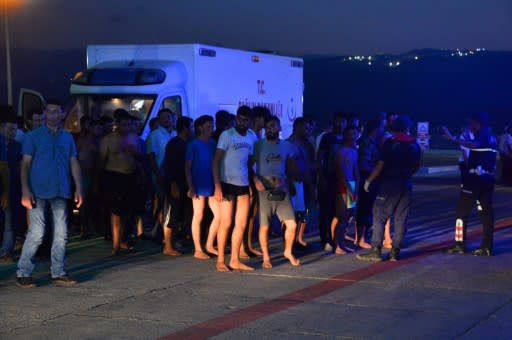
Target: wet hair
[[53, 101], [402, 123], [272, 118], [183, 123], [6, 110], [8, 118], [95, 122], [106, 120], [153, 121], [339, 115], [162, 111], [244, 111], [390, 113], [260, 112], [348, 130], [199, 122], [299, 122]]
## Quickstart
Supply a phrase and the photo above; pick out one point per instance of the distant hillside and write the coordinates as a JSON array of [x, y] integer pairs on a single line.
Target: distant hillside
[[440, 86]]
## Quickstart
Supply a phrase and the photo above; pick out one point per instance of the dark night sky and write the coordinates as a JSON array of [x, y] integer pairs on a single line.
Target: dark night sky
[[295, 27]]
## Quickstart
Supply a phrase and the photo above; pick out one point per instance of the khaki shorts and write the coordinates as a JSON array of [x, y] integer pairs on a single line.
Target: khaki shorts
[[283, 209]]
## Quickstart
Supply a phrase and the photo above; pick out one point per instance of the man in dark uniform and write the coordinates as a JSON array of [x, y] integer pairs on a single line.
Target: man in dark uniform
[[478, 185], [399, 160]]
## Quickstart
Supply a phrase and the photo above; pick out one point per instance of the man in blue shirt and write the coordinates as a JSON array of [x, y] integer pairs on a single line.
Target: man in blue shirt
[[49, 161]]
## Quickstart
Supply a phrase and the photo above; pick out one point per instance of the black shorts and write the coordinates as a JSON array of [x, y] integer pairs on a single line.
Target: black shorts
[[119, 192], [177, 211], [230, 191]]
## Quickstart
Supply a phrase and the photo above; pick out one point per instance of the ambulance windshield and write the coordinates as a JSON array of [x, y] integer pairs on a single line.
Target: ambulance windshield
[[97, 106]]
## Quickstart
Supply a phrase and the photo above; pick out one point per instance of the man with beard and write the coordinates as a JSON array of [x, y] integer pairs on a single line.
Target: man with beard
[[231, 177], [273, 180]]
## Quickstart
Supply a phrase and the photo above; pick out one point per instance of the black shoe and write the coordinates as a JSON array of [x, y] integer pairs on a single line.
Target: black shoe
[[25, 282], [458, 249], [482, 252], [64, 281], [373, 255], [393, 255]]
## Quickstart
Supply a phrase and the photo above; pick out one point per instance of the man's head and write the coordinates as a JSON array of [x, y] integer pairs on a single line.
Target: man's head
[[96, 128], [184, 127], [353, 120], [390, 118], [108, 124], [221, 120], [8, 127], [85, 123], [478, 121], [123, 122], [259, 116], [243, 119], [272, 128], [300, 127], [53, 113], [203, 126], [374, 128], [402, 124], [350, 135], [166, 119], [339, 122]]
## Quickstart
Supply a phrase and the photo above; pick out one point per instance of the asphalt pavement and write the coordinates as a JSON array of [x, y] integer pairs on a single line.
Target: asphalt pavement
[[145, 295]]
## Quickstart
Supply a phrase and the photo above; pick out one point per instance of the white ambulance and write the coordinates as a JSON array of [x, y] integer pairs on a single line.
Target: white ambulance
[[190, 79]]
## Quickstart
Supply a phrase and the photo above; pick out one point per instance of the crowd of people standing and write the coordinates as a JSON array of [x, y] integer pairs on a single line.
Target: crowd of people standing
[[209, 180]]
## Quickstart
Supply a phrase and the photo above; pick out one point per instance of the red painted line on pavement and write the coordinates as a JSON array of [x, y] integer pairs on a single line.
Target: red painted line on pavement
[[249, 314]]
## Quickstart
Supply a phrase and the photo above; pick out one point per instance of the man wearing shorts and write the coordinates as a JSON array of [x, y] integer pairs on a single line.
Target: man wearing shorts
[[231, 177], [274, 164], [119, 154]]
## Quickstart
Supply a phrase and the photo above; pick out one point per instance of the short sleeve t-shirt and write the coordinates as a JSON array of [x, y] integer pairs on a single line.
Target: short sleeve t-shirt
[[483, 156], [201, 153], [238, 149], [50, 173], [271, 160], [157, 142]]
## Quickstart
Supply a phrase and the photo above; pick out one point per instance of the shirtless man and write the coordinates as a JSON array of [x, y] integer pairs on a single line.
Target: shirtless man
[[119, 157], [231, 178], [274, 181], [347, 183]]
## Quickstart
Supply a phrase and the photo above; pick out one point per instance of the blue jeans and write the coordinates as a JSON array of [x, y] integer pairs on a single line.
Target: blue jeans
[[9, 233], [59, 210]]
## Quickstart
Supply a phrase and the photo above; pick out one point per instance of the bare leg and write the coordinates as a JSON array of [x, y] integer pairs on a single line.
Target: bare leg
[[334, 230], [388, 242], [140, 226], [263, 237], [214, 226], [226, 216], [242, 209], [252, 217], [115, 222], [300, 234], [289, 237], [198, 204], [168, 244], [360, 232]]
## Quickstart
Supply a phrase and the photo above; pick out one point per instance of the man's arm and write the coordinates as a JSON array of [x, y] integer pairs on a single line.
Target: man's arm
[[4, 175], [374, 175], [77, 178], [291, 174], [27, 199]]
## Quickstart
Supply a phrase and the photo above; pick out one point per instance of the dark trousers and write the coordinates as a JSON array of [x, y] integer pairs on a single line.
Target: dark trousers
[[479, 193], [393, 199], [326, 211]]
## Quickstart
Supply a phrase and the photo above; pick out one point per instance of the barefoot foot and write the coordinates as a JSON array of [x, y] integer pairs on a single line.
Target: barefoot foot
[[293, 260], [240, 266], [266, 264], [221, 267], [171, 252], [340, 251], [363, 244], [201, 255]]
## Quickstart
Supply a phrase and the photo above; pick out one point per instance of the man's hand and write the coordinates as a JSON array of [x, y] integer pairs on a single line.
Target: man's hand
[[366, 186], [175, 191], [218, 193], [27, 199], [192, 193], [258, 184], [4, 201], [79, 198]]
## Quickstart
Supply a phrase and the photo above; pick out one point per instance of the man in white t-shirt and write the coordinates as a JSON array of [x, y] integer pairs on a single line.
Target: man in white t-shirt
[[231, 176]]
